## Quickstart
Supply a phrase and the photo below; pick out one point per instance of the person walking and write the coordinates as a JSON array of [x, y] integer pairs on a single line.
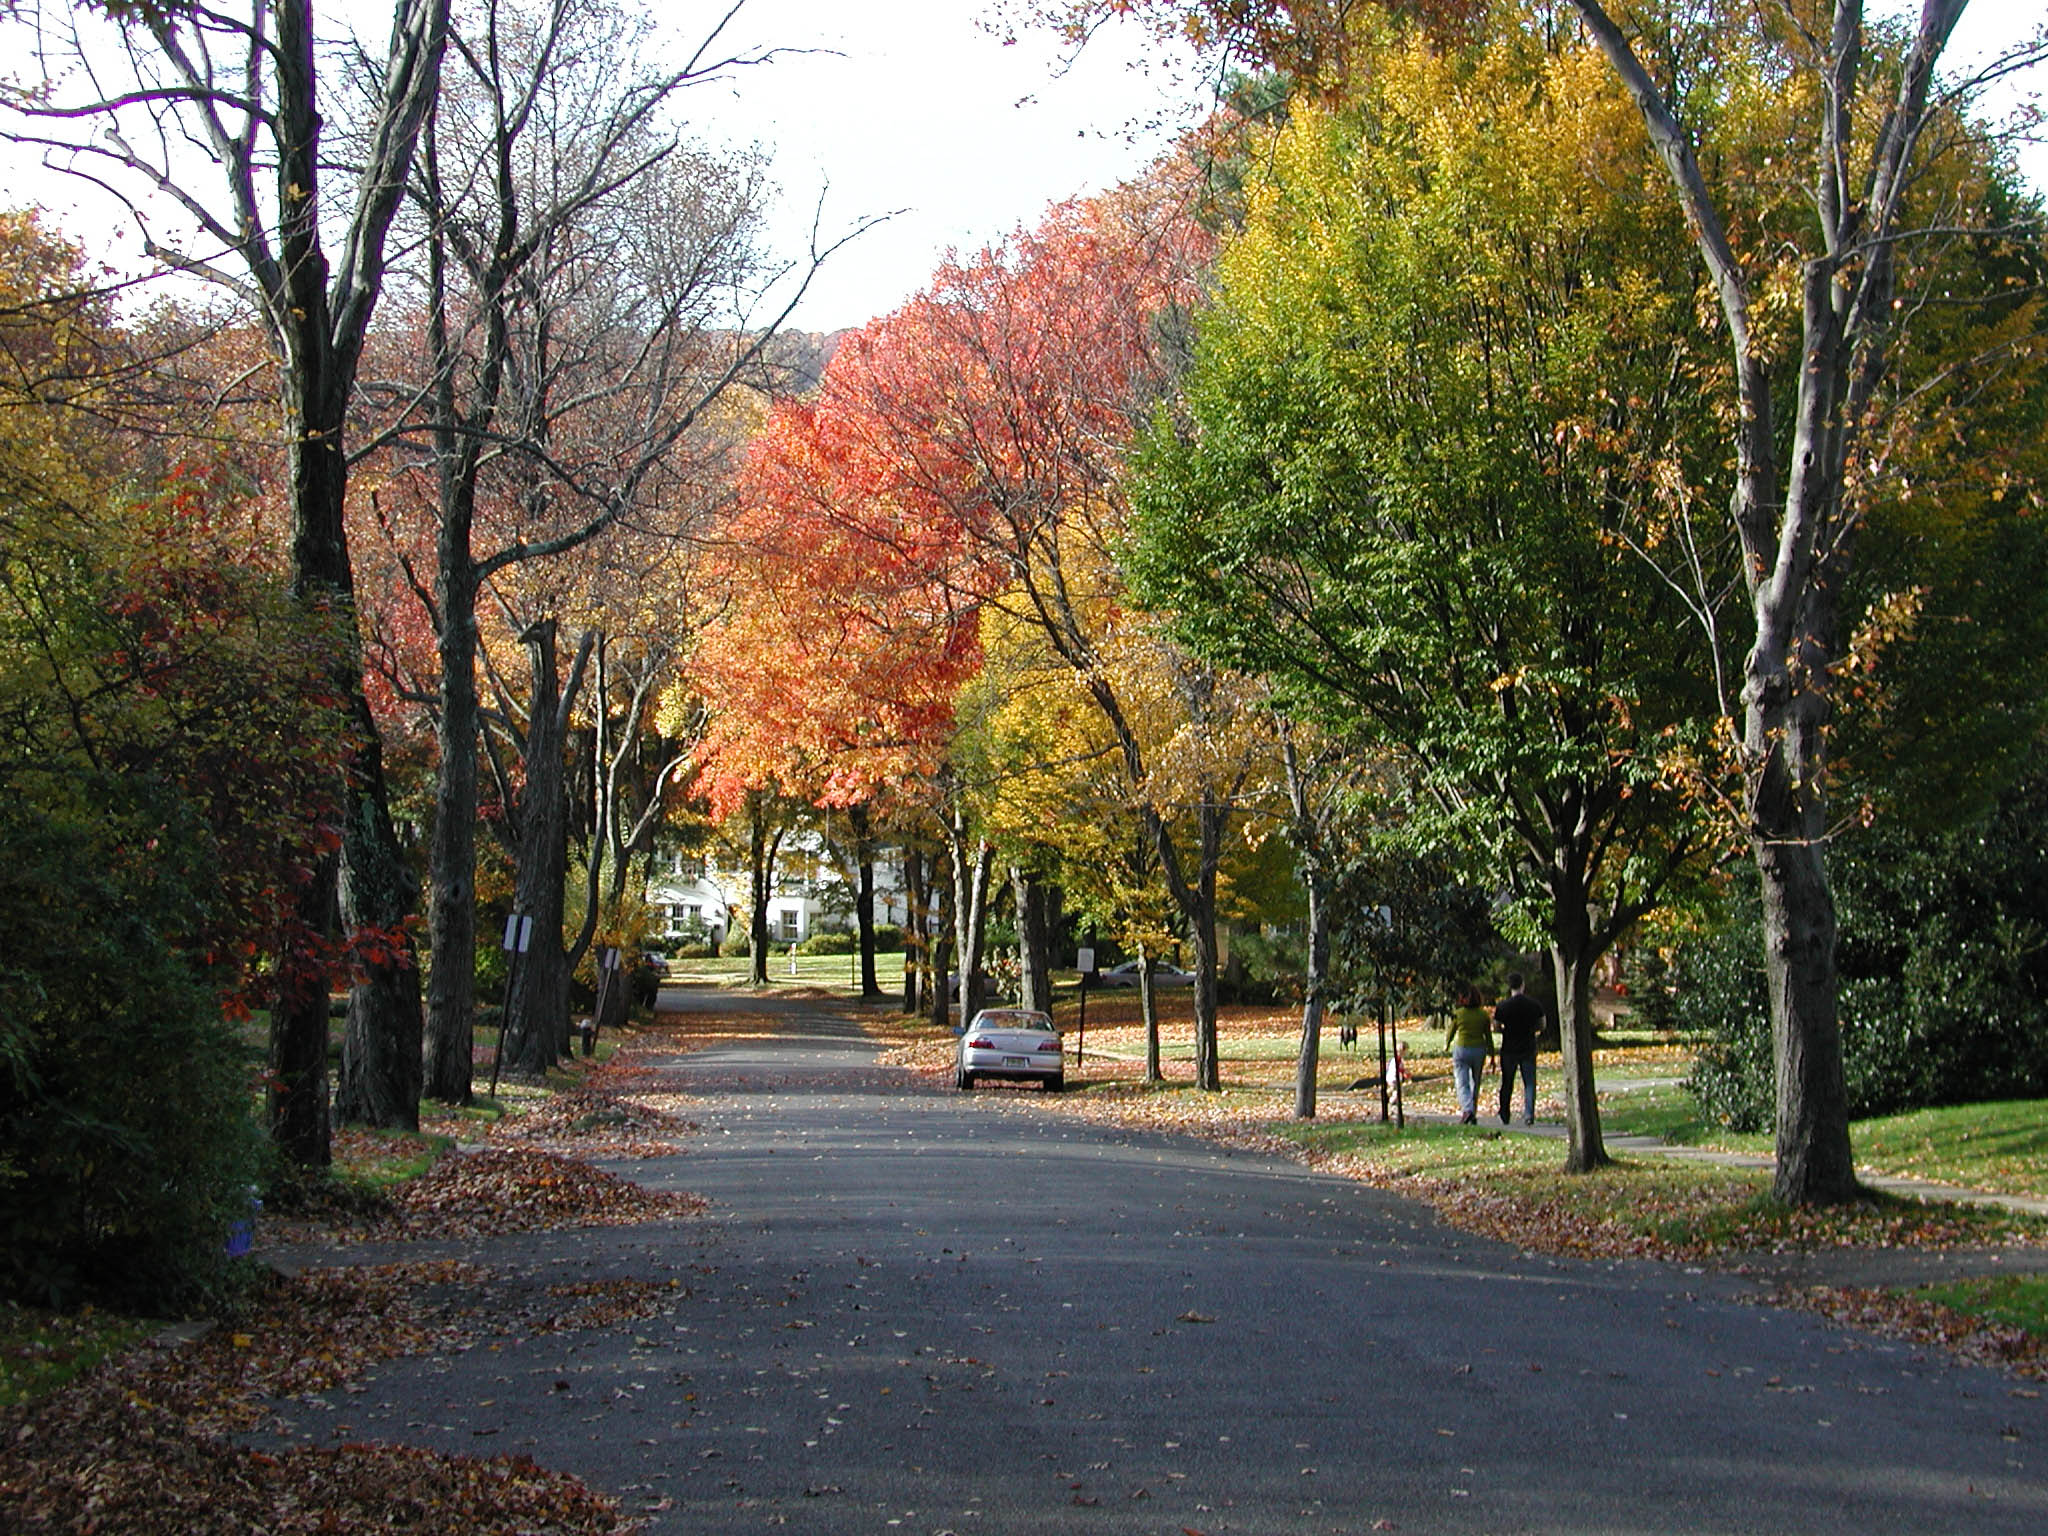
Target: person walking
[[1520, 1018], [1470, 1041]]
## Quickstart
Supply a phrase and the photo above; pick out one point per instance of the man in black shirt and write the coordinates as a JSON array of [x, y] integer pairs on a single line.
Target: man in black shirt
[[1519, 1017]]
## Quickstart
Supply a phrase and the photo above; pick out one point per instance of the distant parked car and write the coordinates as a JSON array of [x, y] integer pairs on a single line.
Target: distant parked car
[[1016, 1043], [655, 961], [1163, 975]]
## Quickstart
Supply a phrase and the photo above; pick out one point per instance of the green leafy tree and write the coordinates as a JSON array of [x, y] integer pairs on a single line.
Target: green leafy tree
[[1445, 379]]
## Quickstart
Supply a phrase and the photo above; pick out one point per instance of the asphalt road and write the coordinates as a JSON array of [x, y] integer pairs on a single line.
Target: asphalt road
[[920, 1311]]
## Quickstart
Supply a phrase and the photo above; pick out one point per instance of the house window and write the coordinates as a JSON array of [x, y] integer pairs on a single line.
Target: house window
[[790, 922]]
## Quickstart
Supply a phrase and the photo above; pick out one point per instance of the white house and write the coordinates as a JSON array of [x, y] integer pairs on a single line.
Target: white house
[[697, 897]]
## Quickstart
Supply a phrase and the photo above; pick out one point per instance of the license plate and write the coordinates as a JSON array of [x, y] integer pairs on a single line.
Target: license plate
[[1016, 1061]]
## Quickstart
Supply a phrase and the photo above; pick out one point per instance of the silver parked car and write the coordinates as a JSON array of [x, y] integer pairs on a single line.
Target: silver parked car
[[1016, 1043], [1163, 975]]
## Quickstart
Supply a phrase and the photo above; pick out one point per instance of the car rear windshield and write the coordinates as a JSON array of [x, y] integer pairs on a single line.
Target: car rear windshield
[[1015, 1021]]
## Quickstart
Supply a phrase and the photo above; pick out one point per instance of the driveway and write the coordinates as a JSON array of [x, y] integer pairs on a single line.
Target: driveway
[[920, 1311]]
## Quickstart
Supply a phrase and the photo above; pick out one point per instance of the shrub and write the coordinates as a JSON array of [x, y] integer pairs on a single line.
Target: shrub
[[1942, 957], [127, 1143], [888, 938], [830, 941]]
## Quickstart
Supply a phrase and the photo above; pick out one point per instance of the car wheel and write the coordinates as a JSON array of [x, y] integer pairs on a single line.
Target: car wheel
[[964, 1081], [1055, 1084]]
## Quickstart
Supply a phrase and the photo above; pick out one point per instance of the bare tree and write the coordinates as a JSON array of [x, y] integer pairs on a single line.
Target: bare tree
[[217, 112], [585, 276]]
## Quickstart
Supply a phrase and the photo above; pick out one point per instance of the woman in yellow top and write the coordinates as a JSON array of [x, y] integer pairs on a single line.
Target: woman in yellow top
[[1470, 1042]]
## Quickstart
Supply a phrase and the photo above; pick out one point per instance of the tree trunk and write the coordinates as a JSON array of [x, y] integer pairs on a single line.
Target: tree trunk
[[941, 999], [451, 988], [380, 1048], [970, 915], [1313, 985], [858, 819], [913, 925], [537, 1006], [761, 882], [1034, 940], [297, 1092], [1148, 1010], [381, 1063], [1201, 914], [1572, 965], [1814, 1161]]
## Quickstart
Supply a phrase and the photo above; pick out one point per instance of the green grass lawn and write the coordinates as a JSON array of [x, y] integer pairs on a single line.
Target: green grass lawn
[[1974, 1146], [836, 973], [1999, 1147], [2018, 1301]]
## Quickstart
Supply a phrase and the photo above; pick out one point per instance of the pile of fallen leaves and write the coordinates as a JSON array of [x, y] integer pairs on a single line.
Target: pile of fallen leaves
[[311, 1331], [478, 1192], [521, 1189], [595, 1120], [144, 1445]]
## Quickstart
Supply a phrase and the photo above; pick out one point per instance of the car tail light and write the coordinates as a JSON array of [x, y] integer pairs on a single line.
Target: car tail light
[[1049, 1045], [981, 1045]]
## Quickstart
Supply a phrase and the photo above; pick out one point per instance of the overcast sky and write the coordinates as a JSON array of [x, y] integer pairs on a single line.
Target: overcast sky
[[921, 109], [913, 108]]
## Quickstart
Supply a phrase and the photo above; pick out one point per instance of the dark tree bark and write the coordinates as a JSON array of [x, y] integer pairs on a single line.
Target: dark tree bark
[[537, 1006], [1572, 953], [763, 843], [451, 932], [861, 821], [973, 862], [1034, 939], [1309, 825], [914, 925]]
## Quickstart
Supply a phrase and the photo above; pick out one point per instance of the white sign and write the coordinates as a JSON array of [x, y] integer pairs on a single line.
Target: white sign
[[1084, 960]]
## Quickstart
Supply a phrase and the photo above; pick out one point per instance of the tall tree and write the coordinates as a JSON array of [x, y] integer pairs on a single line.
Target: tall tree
[[577, 259], [977, 433], [1441, 382], [245, 87], [1813, 313], [1875, 114]]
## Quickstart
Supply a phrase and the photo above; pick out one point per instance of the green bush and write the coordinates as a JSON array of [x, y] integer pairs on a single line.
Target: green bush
[[1942, 957], [888, 938], [127, 1143], [830, 941]]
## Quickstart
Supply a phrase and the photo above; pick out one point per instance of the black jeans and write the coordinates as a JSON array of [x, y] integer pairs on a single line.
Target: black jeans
[[1525, 1063]]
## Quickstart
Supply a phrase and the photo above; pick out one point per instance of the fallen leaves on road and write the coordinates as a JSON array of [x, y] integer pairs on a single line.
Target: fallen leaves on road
[[595, 1120], [605, 1303], [485, 1192], [1897, 1315]]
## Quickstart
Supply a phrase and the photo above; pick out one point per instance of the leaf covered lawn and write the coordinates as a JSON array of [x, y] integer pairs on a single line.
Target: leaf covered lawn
[[149, 1444], [146, 1446]]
